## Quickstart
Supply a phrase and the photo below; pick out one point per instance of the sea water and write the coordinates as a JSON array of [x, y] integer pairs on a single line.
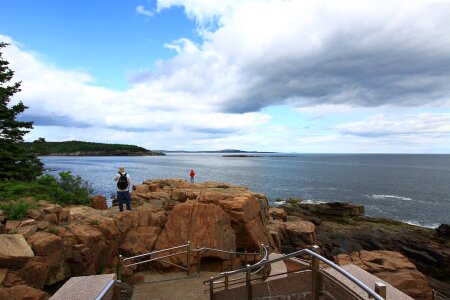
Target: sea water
[[409, 188]]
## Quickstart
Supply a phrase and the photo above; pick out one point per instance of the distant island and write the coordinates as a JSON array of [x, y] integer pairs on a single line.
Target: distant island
[[239, 155], [79, 148], [215, 151], [252, 155]]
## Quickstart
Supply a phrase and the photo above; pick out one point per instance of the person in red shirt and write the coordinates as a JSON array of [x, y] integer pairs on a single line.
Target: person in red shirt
[[192, 174]]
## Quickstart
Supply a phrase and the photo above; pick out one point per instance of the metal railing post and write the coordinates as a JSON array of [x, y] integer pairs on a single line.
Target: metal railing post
[[315, 274], [211, 288], [188, 257], [118, 267], [199, 259], [248, 284], [261, 251], [226, 281], [231, 259]]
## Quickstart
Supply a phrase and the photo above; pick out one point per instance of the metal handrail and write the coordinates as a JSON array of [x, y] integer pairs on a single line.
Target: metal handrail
[[226, 251], [369, 291], [112, 283], [227, 282], [125, 262], [264, 253], [440, 295], [152, 253]]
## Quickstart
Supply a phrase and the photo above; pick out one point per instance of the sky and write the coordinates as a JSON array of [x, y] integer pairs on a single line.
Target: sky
[[305, 76]]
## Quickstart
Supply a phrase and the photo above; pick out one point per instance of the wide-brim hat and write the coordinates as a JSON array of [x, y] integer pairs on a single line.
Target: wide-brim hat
[[121, 169]]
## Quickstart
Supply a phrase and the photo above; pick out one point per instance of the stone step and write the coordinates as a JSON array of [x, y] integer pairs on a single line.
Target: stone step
[[368, 279], [83, 287], [168, 286], [277, 269]]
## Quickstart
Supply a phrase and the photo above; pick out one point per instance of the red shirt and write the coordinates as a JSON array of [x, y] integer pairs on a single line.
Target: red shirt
[[192, 173]]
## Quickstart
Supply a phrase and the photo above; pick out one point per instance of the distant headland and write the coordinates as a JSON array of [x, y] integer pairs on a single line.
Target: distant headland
[[80, 148]]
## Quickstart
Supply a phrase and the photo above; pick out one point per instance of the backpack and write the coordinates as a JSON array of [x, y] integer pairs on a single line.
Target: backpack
[[122, 183]]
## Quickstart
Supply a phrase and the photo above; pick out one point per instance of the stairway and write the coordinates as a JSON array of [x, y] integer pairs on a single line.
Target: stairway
[[169, 286]]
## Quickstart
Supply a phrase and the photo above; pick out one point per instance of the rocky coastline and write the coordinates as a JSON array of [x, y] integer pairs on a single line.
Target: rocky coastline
[[55, 243], [343, 230]]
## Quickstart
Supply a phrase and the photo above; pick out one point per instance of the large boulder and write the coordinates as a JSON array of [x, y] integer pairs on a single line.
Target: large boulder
[[392, 267], [276, 213], [98, 202], [248, 211], [139, 240], [443, 230], [341, 209], [51, 248], [204, 225], [22, 292], [248, 219], [33, 273], [91, 253], [14, 251], [47, 245], [299, 234]]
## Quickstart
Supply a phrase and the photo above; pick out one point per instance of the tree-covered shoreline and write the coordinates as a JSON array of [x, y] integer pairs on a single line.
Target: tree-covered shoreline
[[80, 148]]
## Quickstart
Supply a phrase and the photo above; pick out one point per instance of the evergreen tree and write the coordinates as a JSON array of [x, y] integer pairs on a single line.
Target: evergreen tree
[[16, 162]]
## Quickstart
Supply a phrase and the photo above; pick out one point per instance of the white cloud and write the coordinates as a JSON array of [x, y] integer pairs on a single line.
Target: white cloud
[[400, 133], [395, 124], [324, 58], [66, 105], [142, 11], [304, 53]]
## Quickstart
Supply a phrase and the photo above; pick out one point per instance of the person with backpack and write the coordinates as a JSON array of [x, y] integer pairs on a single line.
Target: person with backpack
[[123, 186]]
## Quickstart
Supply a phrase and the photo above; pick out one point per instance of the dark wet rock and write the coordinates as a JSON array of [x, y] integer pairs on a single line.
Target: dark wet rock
[[443, 230], [426, 248], [340, 209]]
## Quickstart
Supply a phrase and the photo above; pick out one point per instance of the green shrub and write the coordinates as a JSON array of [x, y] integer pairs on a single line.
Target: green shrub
[[94, 222], [65, 190], [71, 190], [17, 210], [53, 230], [223, 186], [163, 183], [293, 201], [16, 189]]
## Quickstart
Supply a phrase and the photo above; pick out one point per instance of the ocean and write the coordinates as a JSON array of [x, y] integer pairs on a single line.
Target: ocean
[[412, 188]]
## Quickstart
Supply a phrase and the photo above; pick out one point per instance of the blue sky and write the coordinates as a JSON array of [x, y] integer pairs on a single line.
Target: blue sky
[[106, 39], [268, 75]]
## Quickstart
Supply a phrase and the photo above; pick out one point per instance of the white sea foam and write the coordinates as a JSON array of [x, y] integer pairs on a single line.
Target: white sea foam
[[306, 201], [309, 201], [277, 203], [380, 197], [412, 222]]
